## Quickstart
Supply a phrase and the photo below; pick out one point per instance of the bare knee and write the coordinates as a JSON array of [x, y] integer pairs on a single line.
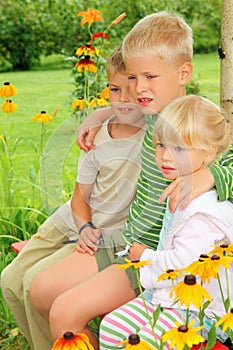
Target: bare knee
[[62, 319]]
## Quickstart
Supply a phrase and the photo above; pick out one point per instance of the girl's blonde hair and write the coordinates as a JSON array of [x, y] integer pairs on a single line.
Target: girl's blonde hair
[[160, 34], [193, 121]]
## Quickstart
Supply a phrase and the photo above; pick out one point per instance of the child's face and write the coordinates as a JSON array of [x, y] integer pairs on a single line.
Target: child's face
[[154, 83], [175, 161], [122, 102]]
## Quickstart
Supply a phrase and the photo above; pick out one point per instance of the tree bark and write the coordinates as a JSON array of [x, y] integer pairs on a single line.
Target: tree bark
[[226, 55]]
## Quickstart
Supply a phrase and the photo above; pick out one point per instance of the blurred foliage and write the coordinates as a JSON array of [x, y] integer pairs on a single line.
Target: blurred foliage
[[32, 28]]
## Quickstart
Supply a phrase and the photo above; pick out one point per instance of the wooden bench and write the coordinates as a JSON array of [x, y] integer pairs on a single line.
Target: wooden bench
[[18, 246]]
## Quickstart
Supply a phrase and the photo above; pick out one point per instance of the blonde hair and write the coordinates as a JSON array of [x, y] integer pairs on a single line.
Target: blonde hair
[[195, 122], [115, 62], [160, 34]]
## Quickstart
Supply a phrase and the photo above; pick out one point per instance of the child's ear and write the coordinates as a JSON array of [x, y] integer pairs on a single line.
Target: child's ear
[[186, 72], [211, 155]]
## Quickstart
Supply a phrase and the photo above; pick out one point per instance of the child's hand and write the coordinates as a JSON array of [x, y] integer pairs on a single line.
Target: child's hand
[[85, 138], [136, 251], [185, 188], [88, 240]]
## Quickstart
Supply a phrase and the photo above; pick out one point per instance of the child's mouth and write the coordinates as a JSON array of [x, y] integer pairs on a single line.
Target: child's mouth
[[144, 101]]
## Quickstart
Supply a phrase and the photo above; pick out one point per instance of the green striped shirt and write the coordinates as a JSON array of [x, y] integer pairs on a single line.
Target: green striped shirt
[[146, 214]]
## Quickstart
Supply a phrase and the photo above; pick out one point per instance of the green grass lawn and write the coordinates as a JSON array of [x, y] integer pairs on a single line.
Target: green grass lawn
[[207, 72]]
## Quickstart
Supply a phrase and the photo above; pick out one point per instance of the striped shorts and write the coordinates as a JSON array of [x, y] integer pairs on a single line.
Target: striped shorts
[[132, 318]]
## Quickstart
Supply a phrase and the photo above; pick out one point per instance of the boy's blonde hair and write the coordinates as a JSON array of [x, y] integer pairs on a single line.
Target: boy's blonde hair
[[115, 63], [193, 121], [160, 34]]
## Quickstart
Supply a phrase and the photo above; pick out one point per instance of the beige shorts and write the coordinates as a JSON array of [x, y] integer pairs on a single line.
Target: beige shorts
[[106, 256]]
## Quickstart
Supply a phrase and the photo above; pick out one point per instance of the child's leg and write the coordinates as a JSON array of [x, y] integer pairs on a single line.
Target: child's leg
[[39, 327], [98, 295], [132, 319], [60, 277]]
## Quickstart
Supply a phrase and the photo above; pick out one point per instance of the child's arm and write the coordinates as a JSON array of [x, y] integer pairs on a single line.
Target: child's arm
[[89, 236], [222, 172], [87, 131], [184, 189]]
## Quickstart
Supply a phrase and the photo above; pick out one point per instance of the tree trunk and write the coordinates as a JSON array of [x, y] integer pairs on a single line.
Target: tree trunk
[[226, 56]]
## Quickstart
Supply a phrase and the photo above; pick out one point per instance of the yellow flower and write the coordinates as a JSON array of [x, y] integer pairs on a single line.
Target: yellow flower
[[169, 274], [7, 90], [183, 335], [90, 16], [86, 64], [98, 102], [200, 268], [134, 342], [43, 116], [9, 106], [190, 291], [78, 103], [117, 20], [209, 266], [223, 249], [105, 93], [227, 321], [71, 341], [135, 264], [87, 50]]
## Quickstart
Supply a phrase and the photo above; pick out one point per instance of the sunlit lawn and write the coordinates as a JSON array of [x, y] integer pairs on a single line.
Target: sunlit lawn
[[207, 70]]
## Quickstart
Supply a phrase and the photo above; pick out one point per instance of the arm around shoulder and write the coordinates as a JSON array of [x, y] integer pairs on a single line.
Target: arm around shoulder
[[88, 129], [222, 172]]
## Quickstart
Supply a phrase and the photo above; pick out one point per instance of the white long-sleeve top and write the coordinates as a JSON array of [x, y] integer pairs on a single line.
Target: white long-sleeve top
[[191, 232]]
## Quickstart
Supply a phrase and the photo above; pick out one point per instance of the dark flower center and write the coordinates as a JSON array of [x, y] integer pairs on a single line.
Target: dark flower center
[[43, 112], [134, 339], [183, 329], [135, 261], [68, 335], [224, 245], [170, 270], [215, 257], [6, 83], [190, 280]]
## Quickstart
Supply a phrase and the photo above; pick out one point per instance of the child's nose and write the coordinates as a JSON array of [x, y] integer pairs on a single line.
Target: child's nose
[[166, 154], [141, 85], [125, 96]]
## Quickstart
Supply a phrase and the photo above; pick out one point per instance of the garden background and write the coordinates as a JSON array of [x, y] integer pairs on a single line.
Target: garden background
[[38, 161]]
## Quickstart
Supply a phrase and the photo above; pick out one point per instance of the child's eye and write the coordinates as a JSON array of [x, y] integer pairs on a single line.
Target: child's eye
[[160, 145], [151, 76], [131, 77], [114, 89], [179, 149]]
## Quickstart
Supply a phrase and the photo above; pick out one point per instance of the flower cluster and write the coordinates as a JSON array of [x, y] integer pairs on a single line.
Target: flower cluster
[[189, 292], [89, 68], [6, 91]]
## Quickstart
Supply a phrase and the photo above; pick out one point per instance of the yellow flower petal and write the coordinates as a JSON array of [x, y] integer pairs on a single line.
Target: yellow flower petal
[[9, 106], [135, 264], [190, 292], [7, 90], [43, 116], [72, 341]]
